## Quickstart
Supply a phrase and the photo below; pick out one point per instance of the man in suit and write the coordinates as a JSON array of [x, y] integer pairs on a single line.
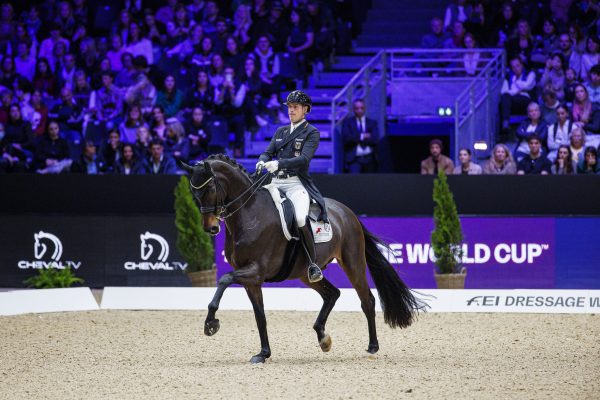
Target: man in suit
[[360, 135], [288, 157]]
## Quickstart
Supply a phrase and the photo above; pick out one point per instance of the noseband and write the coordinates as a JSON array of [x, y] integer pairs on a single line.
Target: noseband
[[220, 208]]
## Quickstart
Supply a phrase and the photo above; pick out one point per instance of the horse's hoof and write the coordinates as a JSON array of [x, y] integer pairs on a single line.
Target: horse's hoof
[[211, 327], [258, 359], [325, 343], [373, 348]]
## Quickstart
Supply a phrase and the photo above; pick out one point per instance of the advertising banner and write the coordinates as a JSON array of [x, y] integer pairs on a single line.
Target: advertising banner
[[499, 253]]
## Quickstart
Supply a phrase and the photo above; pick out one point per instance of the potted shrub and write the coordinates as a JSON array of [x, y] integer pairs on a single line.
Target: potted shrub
[[447, 237], [53, 278], [193, 243]]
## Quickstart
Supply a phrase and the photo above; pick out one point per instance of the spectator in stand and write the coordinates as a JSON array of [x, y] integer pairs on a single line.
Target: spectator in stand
[[276, 27], [521, 44], [546, 43], [532, 126], [436, 161], [116, 52], [577, 38], [18, 131], [323, 26], [588, 164], [577, 142], [177, 144], [128, 163], [582, 105], [9, 75], [571, 83], [504, 26], [437, 37], [22, 95], [198, 134], [457, 39], [138, 45], [253, 101], [360, 136], [220, 36], [232, 55], [88, 56], [65, 19], [268, 66], [128, 128], [478, 23], [216, 74], [456, 12], [300, 42], [211, 14], [548, 107], [553, 78], [25, 61], [159, 163], [559, 132], [230, 99], [593, 87], [515, 91], [82, 90], [43, 79], [126, 76], [48, 44], [202, 95], [501, 162], [52, 152], [111, 150], [202, 59], [467, 166], [170, 98], [183, 23], [563, 165], [38, 108], [68, 114], [158, 127], [106, 104], [89, 162], [186, 48], [142, 143], [143, 91], [471, 60], [12, 157], [167, 12], [590, 58], [66, 73], [535, 162], [570, 55], [583, 13]]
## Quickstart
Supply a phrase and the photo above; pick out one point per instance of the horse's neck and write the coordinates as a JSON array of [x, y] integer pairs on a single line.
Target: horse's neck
[[237, 183]]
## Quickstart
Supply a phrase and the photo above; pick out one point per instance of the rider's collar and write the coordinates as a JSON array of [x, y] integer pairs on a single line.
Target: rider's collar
[[294, 127]]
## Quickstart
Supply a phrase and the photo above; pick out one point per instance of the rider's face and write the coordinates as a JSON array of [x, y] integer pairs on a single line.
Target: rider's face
[[296, 112]]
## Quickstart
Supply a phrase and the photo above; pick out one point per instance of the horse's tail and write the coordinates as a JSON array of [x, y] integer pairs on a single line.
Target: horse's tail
[[397, 301]]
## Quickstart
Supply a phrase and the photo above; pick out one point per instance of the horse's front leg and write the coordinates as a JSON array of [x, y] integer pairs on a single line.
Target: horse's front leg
[[211, 324], [256, 298]]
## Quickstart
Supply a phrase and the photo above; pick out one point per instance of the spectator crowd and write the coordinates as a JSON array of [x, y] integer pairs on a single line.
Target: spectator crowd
[[133, 87], [550, 98]]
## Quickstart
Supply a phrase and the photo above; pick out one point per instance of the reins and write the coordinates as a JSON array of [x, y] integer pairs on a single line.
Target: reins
[[222, 209]]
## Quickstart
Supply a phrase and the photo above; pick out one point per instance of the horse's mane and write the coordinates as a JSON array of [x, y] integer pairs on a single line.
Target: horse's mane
[[230, 161]]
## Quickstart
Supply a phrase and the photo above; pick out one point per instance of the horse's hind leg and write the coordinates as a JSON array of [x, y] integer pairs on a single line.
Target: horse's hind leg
[[358, 278], [256, 298], [330, 294]]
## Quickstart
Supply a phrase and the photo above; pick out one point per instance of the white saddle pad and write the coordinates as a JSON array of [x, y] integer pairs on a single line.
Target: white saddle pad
[[322, 232]]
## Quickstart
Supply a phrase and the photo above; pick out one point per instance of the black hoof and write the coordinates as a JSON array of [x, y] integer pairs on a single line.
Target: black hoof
[[211, 327], [258, 359], [373, 348]]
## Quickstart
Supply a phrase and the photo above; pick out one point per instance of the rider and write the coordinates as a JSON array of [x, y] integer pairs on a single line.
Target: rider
[[294, 147]]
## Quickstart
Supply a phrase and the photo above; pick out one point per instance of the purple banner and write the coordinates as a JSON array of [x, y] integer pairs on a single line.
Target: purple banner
[[499, 253]]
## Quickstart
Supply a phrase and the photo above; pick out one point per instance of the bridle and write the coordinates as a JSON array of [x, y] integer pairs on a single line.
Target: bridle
[[219, 209]]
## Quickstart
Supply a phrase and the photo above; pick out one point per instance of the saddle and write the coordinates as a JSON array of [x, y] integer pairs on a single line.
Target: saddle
[[321, 231]]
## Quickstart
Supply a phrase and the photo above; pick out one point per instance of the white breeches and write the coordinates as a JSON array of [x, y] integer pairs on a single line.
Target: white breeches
[[294, 190]]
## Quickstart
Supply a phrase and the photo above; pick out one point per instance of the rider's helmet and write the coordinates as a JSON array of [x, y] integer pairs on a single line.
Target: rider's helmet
[[298, 96]]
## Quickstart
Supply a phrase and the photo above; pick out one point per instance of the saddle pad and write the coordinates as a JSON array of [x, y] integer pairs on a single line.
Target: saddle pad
[[278, 200], [322, 231]]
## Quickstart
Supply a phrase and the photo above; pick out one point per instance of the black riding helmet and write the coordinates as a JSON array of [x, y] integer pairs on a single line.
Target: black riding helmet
[[298, 96]]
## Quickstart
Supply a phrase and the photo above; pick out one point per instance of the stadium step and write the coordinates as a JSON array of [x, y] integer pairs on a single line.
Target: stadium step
[[333, 79]]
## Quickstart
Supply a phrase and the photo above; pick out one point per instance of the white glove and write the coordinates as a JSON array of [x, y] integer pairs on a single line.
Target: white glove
[[259, 165], [272, 166]]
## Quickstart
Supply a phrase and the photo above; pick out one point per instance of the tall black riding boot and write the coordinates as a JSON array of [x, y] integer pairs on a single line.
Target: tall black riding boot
[[314, 272]]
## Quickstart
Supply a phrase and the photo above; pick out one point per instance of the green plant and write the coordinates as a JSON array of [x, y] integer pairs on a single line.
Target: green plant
[[53, 278], [447, 237], [193, 243]]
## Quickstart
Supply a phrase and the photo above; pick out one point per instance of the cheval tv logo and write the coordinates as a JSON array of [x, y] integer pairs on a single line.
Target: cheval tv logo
[[154, 252], [47, 251]]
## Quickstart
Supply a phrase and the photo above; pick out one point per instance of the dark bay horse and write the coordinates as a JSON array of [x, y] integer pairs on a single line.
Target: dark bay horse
[[255, 247]]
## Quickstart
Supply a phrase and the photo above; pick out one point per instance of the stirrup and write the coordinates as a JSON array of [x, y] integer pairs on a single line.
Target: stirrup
[[314, 273]]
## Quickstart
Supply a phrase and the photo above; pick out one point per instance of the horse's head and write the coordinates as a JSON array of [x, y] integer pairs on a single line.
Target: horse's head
[[214, 182]]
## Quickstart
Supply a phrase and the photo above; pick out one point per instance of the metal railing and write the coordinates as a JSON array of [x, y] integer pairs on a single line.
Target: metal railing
[[423, 79], [368, 84]]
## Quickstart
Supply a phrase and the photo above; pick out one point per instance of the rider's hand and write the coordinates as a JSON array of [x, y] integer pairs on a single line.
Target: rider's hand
[[272, 166], [259, 165]]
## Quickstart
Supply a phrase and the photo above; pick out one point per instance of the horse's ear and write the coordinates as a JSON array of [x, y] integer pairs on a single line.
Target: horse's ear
[[187, 168]]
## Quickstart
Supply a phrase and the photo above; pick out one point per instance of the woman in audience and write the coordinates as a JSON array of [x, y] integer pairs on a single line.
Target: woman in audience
[[176, 143], [501, 162], [582, 106], [521, 44], [81, 90], [158, 127], [44, 80], [232, 55], [198, 134], [217, 67], [201, 95], [300, 41], [515, 91], [128, 128], [466, 166], [590, 58], [571, 83], [116, 52], [533, 125], [170, 98], [471, 60], [577, 142], [138, 45], [564, 164], [242, 22], [202, 59], [39, 121], [142, 143], [559, 132], [128, 163], [553, 78], [588, 164]]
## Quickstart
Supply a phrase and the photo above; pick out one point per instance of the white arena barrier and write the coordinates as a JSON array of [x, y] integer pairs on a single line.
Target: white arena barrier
[[235, 298], [47, 300]]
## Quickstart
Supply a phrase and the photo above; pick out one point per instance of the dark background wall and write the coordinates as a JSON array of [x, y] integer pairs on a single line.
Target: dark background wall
[[381, 194]]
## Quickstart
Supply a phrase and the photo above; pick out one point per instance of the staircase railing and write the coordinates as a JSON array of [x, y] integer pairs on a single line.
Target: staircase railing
[[368, 84]]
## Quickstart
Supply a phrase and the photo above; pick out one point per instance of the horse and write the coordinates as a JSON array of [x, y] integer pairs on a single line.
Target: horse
[[255, 247]]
